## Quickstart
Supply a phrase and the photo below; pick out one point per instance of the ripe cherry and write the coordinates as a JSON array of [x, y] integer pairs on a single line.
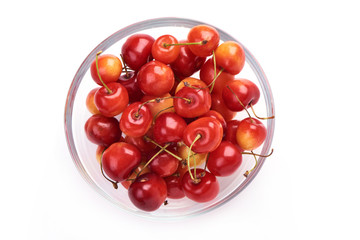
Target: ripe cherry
[[203, 33], [216, 115], [90, 103], [204, 135], [230, 133], [136, 120], [186, 63], [163, 49], [230, 56], [148, 192], [136, 50], [102, 130], [163, 164], [242, 90], [224, 160], [206, 189], [141, 169], [119, 160], [161, 105], [129, 81], [110, 68], [217, 104], [190, 81], [111, 103], [155, 78], [192, 102], [140, 143], [174, 188], [169, 127], [250, 134]]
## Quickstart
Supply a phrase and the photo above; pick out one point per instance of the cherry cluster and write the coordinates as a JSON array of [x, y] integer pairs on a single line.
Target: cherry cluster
[[161, 132]]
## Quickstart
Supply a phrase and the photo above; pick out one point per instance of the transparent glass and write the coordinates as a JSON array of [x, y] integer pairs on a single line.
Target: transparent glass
[[83, 152]]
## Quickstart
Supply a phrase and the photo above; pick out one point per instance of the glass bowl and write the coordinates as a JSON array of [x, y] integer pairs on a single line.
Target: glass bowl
[[83, 151]]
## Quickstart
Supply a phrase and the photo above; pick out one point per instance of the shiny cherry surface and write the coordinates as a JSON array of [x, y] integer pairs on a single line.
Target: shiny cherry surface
[[250, 134], [163, 53], [174, 188], [200, 33], [200, 102], [90, 102], [231, 56], [217, 104], [135, 122], [129, 81], [110, 68], [169, 127], [163, 164], [102, 130]]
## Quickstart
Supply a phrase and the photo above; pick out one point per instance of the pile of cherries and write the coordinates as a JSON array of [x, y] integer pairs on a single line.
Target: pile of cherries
[[161, 132]]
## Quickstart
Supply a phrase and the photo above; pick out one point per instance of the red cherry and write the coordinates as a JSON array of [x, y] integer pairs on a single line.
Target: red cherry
[[148, 192], [158, 107], [230, 133], [135, 120], [110, 68], [174, 188], [90, 103], [136, 50], [200, 33], [250, 134], [119, 160], [155, 78], [186, 63], [203, 191], [216, 115], [164, 164], [224, 160], [140, 143], [113, 103], [210, 132], [163, 52], [138, 170], [102, 130], [207, 76], [191, 102], [230, 56], [217, 104], [169, 127], [245, 90], [129, 81]]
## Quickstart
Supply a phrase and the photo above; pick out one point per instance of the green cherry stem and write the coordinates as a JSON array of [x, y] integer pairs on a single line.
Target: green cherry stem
[[165, 45], [195, 180], [186, 84], [158, 145], [239, 101], [115, 184], [98, 73]]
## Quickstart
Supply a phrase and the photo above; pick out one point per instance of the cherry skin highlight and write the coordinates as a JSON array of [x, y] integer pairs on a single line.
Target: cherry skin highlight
[[102, 130], [250, 134], [169, 127], [200, 33], [135, 121], [163, 53], [230, 56], [199, 104]]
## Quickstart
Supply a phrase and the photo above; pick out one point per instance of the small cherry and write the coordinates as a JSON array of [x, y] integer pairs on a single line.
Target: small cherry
[[148, 192], [102, 130], [216, 115], [129, 81], [165, 49], [109, 69], [203, 33], [174, 188], [163, 164], [231, 56], [136, 120], [90, 103], [136, 50], [250, 134], [230, 133], [169, 127]]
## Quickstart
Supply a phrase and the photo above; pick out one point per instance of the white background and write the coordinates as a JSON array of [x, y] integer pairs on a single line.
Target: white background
[[309, 188]]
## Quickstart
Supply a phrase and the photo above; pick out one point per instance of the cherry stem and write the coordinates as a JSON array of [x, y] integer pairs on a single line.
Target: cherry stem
[[157, 100], [195, 180], [98, 73], [115, 184], [239, 101], [262, 118], [259, 155], [158, 113], [212, 84], [246, 174], [125, 67], [183, 44], [215, 75], [152, 158], [158, 145]]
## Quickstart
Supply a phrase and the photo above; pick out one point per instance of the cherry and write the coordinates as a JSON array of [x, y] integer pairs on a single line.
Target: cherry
[[240, 93], [90, 103], [148, 192], [119, 160], [102, 130], [250, 133], [217, 104], [198, 158], [206, 189], [216, 115], [111, 103], [174, 188], [162, 105], [230, 133], [230, 56], [207, 74], [129, 81], [186, 64], [224, 160], [140, 143], [164, 50], [203, 33], [136, 50], [169, 127], [141, 169], [98, 153], [135, 120], [196, 103], [109, 66], [155, 78], [163, 164], [190, 81], [204, 135]]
